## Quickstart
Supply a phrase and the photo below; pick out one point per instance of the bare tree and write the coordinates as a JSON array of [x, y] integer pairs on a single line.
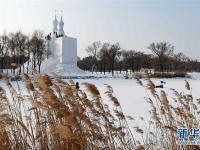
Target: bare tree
[[129, 58], [93, 50], [3, 49], [102, 55], [28, 53], [38, 49], [1, 52], [112, 54], [12, 45], [20, 41], [162, 50]]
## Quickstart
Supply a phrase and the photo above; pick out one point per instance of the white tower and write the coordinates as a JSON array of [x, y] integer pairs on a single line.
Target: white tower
[[60, 28], [63, 57], [55, 24]]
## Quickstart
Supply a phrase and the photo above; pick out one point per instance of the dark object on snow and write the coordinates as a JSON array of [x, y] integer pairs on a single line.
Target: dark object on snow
[[125, 76], [161, 85], [162, 82], [77, 86]]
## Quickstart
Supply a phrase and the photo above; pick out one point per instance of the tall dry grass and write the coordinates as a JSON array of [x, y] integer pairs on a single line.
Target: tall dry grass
[[55, 114], [167, 115], [168, 74]]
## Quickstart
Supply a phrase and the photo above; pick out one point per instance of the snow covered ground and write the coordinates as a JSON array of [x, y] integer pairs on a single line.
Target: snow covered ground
[[130, 94]]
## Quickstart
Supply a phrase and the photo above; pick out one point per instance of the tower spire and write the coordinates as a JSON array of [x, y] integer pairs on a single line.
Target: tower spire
[[55, 24], [61, 13], [61, 25]]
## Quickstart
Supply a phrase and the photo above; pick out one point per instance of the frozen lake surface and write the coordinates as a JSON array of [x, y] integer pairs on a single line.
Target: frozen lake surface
[[130, 94]]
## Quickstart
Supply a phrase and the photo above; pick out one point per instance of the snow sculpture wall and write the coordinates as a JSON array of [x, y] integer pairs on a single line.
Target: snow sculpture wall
[[68, 50]]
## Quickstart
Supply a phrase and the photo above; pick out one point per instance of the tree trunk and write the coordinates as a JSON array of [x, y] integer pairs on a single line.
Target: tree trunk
[[2, 62], [120, 68], [112, 68], [27, 67], [104, 67], [101, 67], [39, 66]]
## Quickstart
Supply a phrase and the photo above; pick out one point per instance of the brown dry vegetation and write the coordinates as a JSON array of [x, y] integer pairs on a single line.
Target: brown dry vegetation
[[167, 115], [61, 117], [169, 74], [64, 117]]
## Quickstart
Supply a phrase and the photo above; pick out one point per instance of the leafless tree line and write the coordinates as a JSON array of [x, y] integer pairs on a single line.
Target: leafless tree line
[[101, 56], [106, 57], [18, 48]]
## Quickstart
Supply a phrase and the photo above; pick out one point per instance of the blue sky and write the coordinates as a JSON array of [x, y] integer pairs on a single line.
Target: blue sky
[[134, 24]]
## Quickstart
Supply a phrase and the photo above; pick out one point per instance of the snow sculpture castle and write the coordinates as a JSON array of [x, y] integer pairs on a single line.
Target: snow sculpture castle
[[63, 52]]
